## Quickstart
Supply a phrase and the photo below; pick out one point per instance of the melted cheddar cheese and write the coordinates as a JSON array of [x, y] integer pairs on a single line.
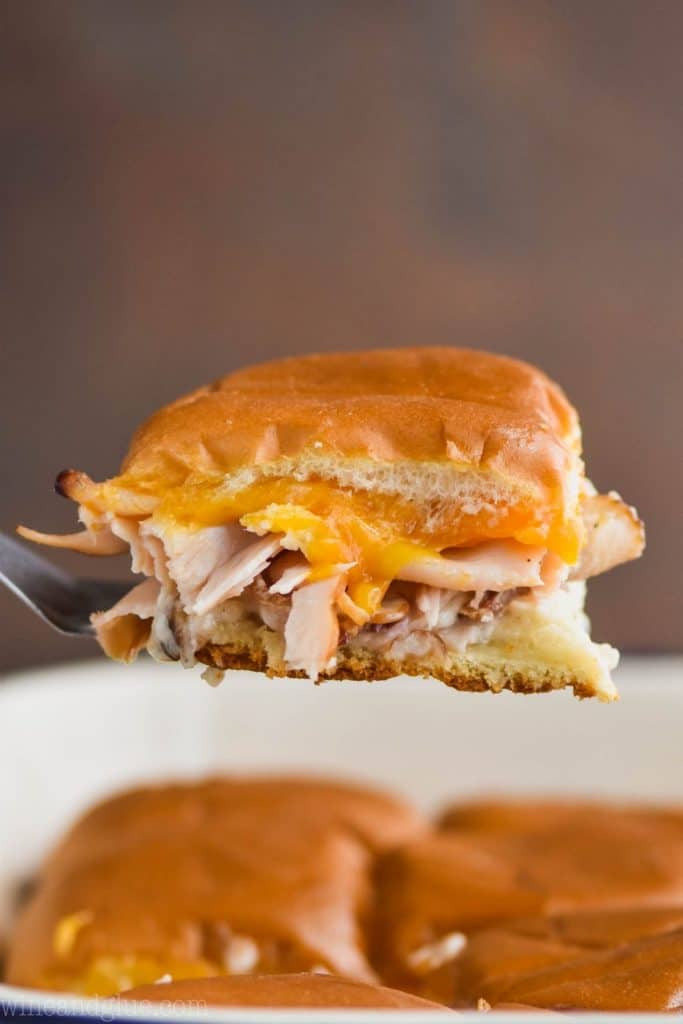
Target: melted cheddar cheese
[[107, 976], [371, 535], [204, 501]]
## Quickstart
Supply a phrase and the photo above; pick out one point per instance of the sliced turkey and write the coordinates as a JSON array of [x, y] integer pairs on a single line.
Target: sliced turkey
[[312, 629], [95, 541], [240, 570], [124, 629], [494, 565], [440, 608], [614, 534], [146, 554], [288, 571], [194, 556]]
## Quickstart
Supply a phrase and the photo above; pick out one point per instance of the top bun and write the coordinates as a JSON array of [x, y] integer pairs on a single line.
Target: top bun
[[456, 406], [457, 427], [311, 991]]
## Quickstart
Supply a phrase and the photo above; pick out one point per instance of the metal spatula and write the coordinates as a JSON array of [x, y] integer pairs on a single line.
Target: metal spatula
[[63, 601]]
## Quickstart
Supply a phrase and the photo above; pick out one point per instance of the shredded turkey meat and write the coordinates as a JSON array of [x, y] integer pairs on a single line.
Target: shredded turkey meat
[[200, 579]]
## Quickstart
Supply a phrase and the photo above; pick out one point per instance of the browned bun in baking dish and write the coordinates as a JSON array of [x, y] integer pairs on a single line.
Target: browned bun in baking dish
[[574, 877], [206, 890], [586, 960], [283, 990], [243, 875]]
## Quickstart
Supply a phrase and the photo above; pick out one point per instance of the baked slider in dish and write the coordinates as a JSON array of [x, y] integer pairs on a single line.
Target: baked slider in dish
[[618, 960], [599, 875], [360, 516], [221, 877]]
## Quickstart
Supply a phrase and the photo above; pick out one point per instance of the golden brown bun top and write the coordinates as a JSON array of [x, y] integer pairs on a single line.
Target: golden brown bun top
[[296, 806], [542, 815], [175, 875], [470, 409], [490, 864], [606, 960], [284, 990]]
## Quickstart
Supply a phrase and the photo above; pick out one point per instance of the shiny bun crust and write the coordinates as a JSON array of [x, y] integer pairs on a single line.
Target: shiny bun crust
[[146, 882], [282, 990], [417, 421]]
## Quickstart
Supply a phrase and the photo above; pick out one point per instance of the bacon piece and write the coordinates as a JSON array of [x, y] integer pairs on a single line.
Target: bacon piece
[[614, 534], [124, 629], [312, 629], [494, 565], [240, 570], [100, 541]]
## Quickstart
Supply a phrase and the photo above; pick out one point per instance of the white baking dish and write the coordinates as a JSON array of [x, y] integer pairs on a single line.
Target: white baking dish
[[72, 734]]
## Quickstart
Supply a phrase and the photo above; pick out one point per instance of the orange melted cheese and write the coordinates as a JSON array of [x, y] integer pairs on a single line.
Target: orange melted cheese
[[106, 976], [371, 535]]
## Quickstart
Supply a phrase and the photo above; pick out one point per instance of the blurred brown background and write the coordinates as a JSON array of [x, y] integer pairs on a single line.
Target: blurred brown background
[[188, 186]]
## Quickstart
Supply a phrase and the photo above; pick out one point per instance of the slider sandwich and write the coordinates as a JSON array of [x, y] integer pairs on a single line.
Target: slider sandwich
[[229, 876], [509, 887], [362, 515]]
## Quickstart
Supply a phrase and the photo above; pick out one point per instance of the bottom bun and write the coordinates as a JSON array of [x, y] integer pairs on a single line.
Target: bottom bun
[[535, 646]]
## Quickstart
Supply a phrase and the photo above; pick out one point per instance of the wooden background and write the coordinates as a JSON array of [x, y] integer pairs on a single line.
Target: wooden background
[[188, 186]]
